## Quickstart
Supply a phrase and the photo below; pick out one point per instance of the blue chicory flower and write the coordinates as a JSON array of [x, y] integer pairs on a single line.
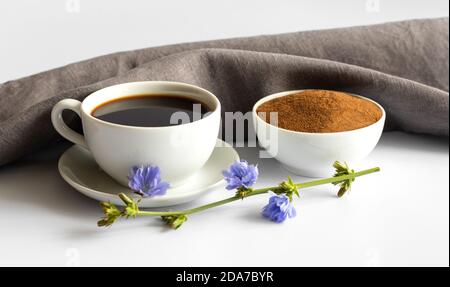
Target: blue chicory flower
[[279, 208], [240, 174], [146, 181]]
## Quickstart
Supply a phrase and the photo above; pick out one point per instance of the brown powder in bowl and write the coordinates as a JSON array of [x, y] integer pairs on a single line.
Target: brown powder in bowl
[[322, 111]]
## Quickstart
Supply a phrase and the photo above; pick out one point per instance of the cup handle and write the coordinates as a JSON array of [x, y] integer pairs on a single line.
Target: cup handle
[[60, 125]]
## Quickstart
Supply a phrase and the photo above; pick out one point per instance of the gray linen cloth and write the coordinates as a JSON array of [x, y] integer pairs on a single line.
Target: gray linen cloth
[[404, 66]]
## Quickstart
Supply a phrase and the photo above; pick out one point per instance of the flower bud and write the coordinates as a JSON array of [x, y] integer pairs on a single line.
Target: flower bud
[[174, 221], [289, 188], [341, 170], [109, 209]]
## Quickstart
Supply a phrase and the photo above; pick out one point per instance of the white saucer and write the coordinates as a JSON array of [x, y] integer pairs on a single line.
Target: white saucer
[[79, 169]]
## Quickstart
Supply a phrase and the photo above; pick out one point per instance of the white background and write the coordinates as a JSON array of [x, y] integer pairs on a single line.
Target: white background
[[397, 217], [42, 34]]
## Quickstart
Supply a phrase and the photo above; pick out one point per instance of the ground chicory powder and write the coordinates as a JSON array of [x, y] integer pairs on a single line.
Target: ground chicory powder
[[322, 111]]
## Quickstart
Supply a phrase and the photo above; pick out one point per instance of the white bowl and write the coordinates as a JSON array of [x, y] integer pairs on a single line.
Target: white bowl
[[313, 154]]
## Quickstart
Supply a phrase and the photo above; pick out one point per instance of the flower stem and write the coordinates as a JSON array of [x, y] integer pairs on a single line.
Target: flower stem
[[257, 192], [189, 211], [337, 178]]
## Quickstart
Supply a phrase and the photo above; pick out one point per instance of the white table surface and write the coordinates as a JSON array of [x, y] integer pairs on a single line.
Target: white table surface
[[397, 217]]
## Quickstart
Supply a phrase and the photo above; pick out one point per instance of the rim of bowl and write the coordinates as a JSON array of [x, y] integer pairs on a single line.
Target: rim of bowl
[[215, 110], [286, 93]]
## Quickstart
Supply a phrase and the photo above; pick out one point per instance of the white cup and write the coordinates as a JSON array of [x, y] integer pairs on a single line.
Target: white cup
[[178, 150]]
